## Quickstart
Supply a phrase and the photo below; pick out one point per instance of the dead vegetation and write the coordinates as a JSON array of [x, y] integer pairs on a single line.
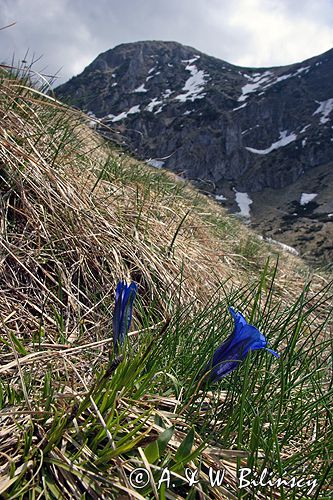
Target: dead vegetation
[[77, 215]]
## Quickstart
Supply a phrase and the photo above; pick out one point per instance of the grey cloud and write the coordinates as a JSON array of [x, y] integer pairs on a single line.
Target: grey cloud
[[71, 33]]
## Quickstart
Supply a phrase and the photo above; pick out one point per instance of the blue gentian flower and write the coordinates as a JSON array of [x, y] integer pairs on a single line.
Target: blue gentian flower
[[234, 349], [122, 314]]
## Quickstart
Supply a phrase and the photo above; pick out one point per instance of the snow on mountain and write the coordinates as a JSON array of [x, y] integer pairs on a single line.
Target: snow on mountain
[[257, 81], [283, 141], [167, 93], [195, 84], [220, 197], [124, 114], [153, 104], [307, 197], [243, 201], [262, 81], [325, 108], [305, 128], [141, 88], [284, 247], [152, 76], [240, 107], [155, 163]]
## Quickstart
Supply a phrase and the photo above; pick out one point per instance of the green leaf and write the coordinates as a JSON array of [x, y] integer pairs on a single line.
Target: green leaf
[[155, 449], [152, 452], [18, 344], [186, 446], [164, 438]]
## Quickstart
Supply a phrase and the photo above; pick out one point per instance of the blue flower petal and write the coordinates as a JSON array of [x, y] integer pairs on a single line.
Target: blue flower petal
[[130, 296], [235, 348], [223, 369], [239, 320], [122, 315], [273, 352], [116, 321]]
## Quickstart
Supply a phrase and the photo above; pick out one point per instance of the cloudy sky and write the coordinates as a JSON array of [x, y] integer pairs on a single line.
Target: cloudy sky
[[69, 34]]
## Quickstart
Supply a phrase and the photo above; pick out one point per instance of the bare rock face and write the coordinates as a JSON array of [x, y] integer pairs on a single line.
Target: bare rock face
[[227, 128]]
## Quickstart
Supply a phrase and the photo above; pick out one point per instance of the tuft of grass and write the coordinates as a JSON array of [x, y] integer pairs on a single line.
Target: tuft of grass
[[77, 214]]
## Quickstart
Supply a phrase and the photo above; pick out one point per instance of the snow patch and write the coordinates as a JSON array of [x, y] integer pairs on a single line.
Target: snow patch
[[241, 106], [249, 129], [140, 89], [257, 81], [325, 108], [123, 115], [283, 77], [190, 61], [304, 128], [220, 197], [159, 110], [283, 141], [307, 197], [285, 247], [93, 122], [262, 81], [243, 201], [152, 76], [195, 84], [150, 107], [155, 163], [306, 69], [167, 93]]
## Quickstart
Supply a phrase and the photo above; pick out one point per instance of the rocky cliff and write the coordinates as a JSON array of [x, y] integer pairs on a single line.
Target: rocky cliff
[[259, 139]]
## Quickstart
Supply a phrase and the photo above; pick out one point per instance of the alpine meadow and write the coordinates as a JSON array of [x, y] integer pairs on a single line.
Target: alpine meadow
[[153, 346]]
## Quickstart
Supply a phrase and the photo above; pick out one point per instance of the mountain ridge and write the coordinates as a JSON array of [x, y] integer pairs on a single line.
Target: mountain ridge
[[232, 130]]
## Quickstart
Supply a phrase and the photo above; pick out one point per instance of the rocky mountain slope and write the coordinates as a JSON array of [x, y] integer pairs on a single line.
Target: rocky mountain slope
[[260, 140]]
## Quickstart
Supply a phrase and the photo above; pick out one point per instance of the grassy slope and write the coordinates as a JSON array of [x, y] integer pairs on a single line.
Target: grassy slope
[[78, 215]]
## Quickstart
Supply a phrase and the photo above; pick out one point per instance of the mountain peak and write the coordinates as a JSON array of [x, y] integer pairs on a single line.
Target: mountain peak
[[228, 128]]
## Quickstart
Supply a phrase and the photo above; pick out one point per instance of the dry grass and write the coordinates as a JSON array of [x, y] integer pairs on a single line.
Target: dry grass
[[62, 233], [77, 215]]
